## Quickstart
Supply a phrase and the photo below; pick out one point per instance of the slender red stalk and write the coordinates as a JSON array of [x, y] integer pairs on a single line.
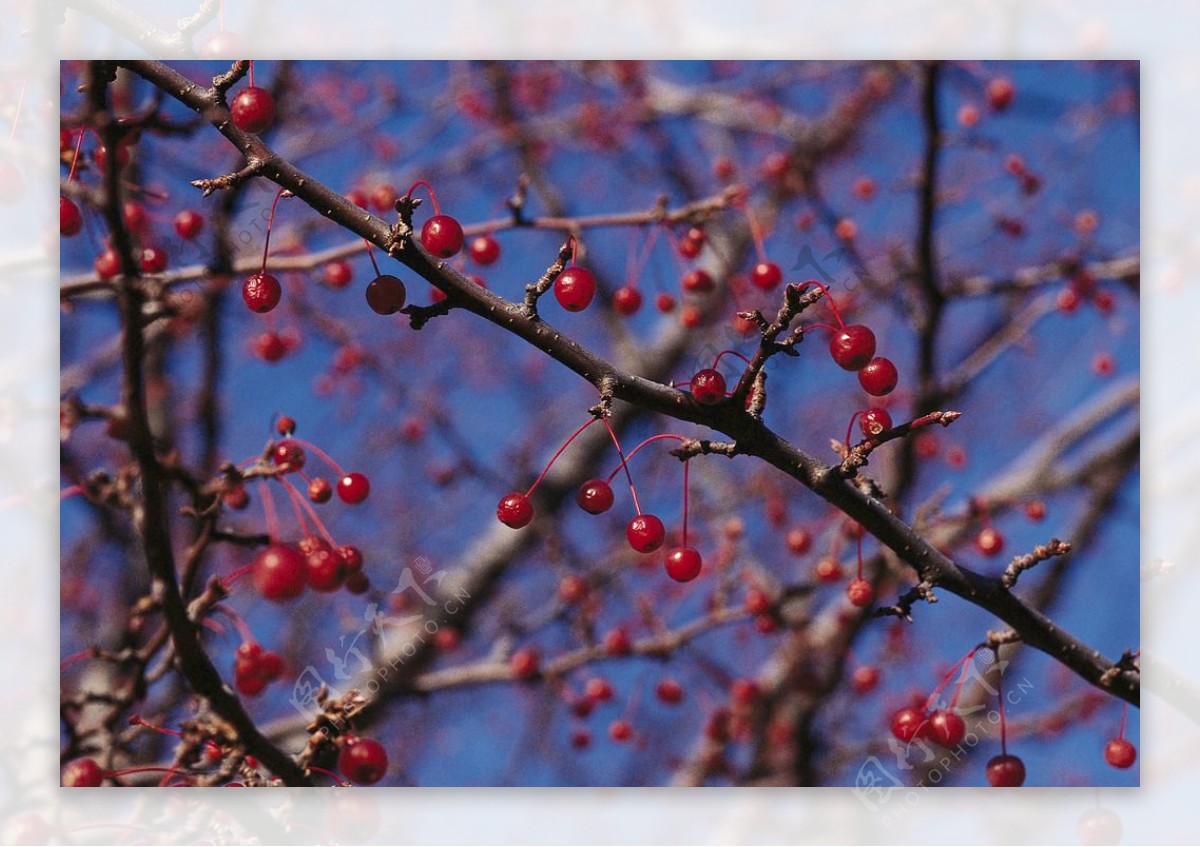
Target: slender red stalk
[[70, 491], [554, 458], [1124, 719], [624, 464], [1000, 693], [723, 353], [755, 233], [860, 562], [322, 455], [371, 256], [271, 218], [251, 73], [75, 657], [75, 156], [269, 509], [312, 513], [850, 428], [625, 459], [685, 502], [331, 775], [829, 299], [437, 209]]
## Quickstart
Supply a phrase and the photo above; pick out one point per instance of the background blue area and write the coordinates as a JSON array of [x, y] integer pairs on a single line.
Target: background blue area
[[356, 124]]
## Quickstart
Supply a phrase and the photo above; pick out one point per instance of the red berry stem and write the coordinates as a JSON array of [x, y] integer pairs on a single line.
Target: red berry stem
[[297, 498], [341, 782], [251, 61], [75, 156], [633, 270], [76, 657], [437, 209], [1124, 719], [1000, 696], [685, 502], [850, 428], [69, 492], [724, 353], [269, 510], [238, 623], [624, 464], [755, 233], [554, 458], [322, 455], [832, 304], [626, 459], [956, 668], [371, 256], [860, 561], [271, 217]]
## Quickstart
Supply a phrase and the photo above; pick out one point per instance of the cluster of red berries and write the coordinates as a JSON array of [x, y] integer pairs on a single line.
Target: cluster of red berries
[[255, 668]]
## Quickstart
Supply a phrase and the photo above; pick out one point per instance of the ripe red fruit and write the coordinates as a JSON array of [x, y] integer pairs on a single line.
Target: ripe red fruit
[[352, 558], [575, 288], [253, 109], [683, 564], [874, 421], [620, 730], [383, 198], [598, 689], [1035, 510], [947, 728], [154, 260], [690, 317], [743, 691], [442, 236], [909, 723], [595, 496], [515, 510], [865, 678], [82, 773], [697, 281], [135, 216], [261, 292], [319, 490], [484, 249], [645, 533], [828, 569], [572, 588], [989, 541], [1120, 753], [386, 295], [324, 570], [270, 346], [860, 592], [708, 387], [581, 739], [852, 347], [758, 602], [337, 274], [664, 303], [766, 275], [289, 456], [878, 377], [798, 540], [524, 663], [236, 497], [107, 264], [353, 488], [617, 643], [669, 691], [279, 572], [627, 301], [70, 221], [1000, 93], [363, 761], [1005, 771], [188, 224]]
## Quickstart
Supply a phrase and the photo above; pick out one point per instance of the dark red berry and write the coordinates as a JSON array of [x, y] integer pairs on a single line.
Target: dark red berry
[[524, 663], [1005, 771], [270, 346], [236, 497], [758, 602], [989, 541], [289, 456], [595, 496], [617, 643], [572, 589], [515, 510], [70, 221], [669, 691], [188, 224], [692, 243], [279, 572], [860, 592], [645, 533], [353, 488], [909, 723], [442, 236], [82, 773], [485, 249], [324, 570], [766, 275], [261, 292], [253, 109], [154, 260], [337, 274], [1000, 93], [386, 295], [878, 377], [620, 730], [319, 490], [874, 421], [798, 540], [865, 678], [947, 728], [575, 288], [599, 690], [352, 558], [852, 347], [697, 281], [1120, 753], [708, 387], [664, 302], [363, 761], [107, 264], [683, 564], [627, 301]]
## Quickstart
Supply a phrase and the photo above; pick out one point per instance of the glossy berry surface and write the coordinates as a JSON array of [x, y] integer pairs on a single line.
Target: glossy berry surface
[[708, 387], [1005, 771], [515, 510], [909, 723], [860, 592], [154, 260], [947, 728], [82, 773], [683, 564], [645, 533], [386, 295], [1120, 753], [288, 456], [766, 275], [261, 292], [989, 541], [627, 301], [363, 761], [279, 572], [253, 109], [575, 288], [878, 377], [595, 496], [874, 421], [353, 488], [70, 221], [442, 236], [852, 347], [484, 250], [188, 224]]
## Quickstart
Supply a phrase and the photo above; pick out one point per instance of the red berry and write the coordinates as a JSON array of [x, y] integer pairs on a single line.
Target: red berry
[[154, 260], [270, 665], [188, 224], [865, 678], [70, 221], [1005, 771], [683, 564], [664, 303], [828, 570], [352, 558], [599, 689], [1120, 753], [581, 739], [107, 264], [236, 497], [799, 541], [270, 346], [337, 274], [846, 229], [253, 109], [442, 236], [261, 292], [524, 663], [285, 425], [135, 216], [82, 773], [860, 592], [484, 249], [595, 496], [1000, 93], [572, 589], [708, 387], [864, 188], [279, 572], [101, 155], [620, 730], [386, 295], [968, 115], [645, 533], [353, 488], [744, 691], [878, 377], [947, 728], [758, 602], [617, 643], [909, 723], [697, 281], [575, 288], [669, 691], [289, 456], [319, 490], [690, 317], [363, 761], [766, 275], [989, 541], [853, 347], [324, 570], [383, 198], [1035, 510], [515, 510], [627, 301]]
